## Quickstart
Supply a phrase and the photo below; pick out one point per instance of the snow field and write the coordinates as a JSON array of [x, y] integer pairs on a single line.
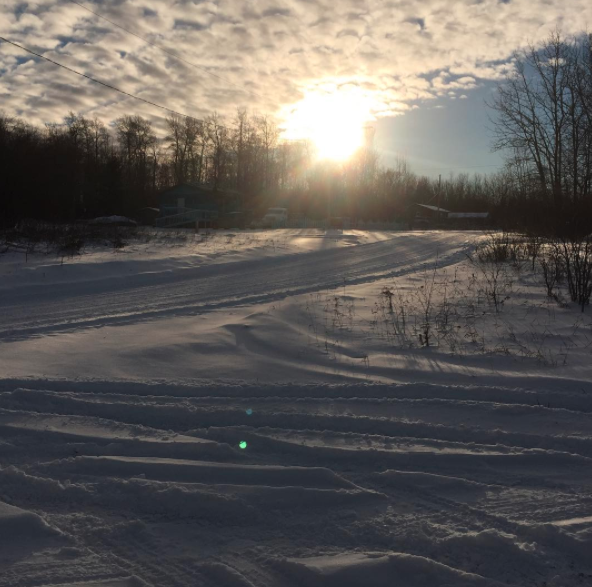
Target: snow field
[[448, 503], [269, 422]]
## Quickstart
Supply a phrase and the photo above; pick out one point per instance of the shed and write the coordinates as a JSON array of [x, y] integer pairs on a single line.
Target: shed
[[428, 216], [468, 219], [433, 216], [453, 215], [432, 211]]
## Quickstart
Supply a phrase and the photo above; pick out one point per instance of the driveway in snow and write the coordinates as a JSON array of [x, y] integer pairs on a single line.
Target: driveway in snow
[[36, 308]]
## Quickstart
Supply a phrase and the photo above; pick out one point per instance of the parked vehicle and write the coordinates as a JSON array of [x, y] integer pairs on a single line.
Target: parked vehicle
[[275, 218], [113, 221]]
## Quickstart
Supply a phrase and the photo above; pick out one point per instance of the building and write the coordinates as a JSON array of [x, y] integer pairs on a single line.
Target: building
[[427, 216], [468, 220], [195, 205]]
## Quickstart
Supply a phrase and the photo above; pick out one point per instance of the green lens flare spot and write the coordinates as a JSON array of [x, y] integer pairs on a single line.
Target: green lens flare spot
[[242, 444], [249, 412]]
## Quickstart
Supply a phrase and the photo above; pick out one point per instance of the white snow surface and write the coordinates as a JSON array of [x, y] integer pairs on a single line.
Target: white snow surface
[[260, 409]]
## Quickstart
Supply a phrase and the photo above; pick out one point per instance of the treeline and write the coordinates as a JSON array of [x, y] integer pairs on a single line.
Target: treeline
[[543, 120], [363, 189], [82, 169]]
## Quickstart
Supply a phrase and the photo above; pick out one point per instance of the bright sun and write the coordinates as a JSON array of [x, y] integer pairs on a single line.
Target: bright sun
[[333, 120]]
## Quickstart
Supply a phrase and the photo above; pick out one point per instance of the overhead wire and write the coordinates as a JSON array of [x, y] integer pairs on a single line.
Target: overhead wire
[[461, 167], [130, 95], [178, 58], [96, 81], [151, 43], [105, 84]]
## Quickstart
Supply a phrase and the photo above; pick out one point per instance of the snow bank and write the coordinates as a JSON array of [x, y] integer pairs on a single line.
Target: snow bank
[[18, 524], [205, 472], [127, 582], [354, 570]]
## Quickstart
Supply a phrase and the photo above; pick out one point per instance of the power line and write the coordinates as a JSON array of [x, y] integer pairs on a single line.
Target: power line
[[111, 87], [92, 79], [167, 51], [462, 167]]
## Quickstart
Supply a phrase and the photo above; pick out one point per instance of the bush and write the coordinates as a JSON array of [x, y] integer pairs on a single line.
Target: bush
[[499, 248], [576, 255], [492, 257], [553, 270], [65, 239]]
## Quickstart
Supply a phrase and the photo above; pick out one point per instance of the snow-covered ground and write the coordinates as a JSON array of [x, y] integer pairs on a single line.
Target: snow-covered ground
[[291, 408]]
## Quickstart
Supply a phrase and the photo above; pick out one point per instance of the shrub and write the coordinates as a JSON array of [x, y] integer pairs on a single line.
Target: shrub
[[576, 253], [499, 248], [553, 270]]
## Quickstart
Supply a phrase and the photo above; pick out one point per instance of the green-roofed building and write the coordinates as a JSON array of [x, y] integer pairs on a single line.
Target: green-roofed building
[[191, 204]]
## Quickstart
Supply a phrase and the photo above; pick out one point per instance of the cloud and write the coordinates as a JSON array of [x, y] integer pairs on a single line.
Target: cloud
[[263, 55]]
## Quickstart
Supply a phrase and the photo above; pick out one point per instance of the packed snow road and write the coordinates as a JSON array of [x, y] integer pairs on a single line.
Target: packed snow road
[[39, 309]]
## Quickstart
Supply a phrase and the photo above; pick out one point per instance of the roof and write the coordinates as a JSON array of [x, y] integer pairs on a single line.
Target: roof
[[468, 214], [208, 187], [195, 188], [113, 220], [433, 208]]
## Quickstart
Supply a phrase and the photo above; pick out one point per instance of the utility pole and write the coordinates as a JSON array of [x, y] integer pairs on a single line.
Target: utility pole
[[369, 132], [439, 189], [439, 192]]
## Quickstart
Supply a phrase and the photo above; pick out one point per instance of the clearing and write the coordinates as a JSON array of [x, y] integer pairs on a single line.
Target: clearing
[[291, 408]]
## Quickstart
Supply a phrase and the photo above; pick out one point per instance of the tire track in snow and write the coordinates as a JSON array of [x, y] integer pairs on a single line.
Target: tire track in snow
[[475, 497], [429, 419]]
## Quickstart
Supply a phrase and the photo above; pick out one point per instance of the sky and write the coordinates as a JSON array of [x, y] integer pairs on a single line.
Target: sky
[[443, 137], [420, 71]]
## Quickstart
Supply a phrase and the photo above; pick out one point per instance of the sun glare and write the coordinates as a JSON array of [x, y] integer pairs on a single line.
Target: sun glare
[[332, 120]]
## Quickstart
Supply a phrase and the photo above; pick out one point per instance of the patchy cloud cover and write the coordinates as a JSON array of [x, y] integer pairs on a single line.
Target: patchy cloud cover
[[268, 52]]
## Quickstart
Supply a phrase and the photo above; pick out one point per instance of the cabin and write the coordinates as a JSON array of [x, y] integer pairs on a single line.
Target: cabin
[[195, 205]]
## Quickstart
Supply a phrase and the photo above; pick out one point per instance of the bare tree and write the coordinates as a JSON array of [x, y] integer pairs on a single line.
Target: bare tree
[[136, 140], [184, 139], [218, 143], [544, 121]]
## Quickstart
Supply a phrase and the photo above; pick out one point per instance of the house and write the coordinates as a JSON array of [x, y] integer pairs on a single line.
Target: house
[[193, 204]]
